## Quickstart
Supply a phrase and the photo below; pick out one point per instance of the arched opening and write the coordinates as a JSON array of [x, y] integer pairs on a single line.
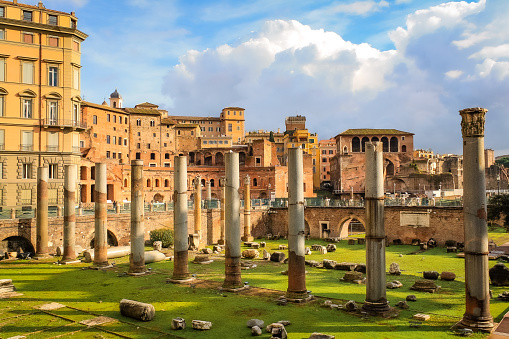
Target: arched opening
[[191, 157], [207, 159], [351, 226], [255, 182], [125, 182], [219, 159], [263, 195], [83, 172], [389, 169], [158, 197], [16, 244], [149, 183], [211, 182], [356, 144], [202, 182], [403, 148], [345, 150], [166, 183], [385, 144], [111, 239], [394, 144], [157, 182], [242, 158], [374, 139], [363, 142]]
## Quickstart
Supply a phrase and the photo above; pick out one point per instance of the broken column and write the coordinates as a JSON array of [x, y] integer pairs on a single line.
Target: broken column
[[376, 297], [247, 210], [41, 250], [197, 209], [101, 219], [232, 278], [477, 315], [209, 191], [137, 255], [296, 232], [69, 249], [221, 238], [180, 265]]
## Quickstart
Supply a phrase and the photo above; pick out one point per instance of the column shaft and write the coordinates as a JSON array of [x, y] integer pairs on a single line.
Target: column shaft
[[70, 172], [42, 213], [180, 265], [247, 209], [137, 256], [197, 206], [296, 226], [101, 219], [376, 297], [222, 213]]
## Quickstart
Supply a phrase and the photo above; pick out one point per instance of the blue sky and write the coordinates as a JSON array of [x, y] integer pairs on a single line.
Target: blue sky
[[404, 64]]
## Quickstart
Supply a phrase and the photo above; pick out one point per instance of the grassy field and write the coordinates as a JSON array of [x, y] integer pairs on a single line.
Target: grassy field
[[89, 293]]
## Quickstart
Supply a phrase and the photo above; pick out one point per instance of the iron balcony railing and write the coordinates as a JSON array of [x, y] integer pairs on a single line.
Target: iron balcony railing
[[64, 123], [26, 147], [2, 147]]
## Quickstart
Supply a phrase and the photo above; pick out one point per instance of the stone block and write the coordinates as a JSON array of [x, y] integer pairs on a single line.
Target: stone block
[[255, 245], [323, 250], [202, 325], [421, 317], [317, 335], [352, 276], [361, 241], [351, 241], [263, 244], [207, 251], [255, 322], [327, 263], [432, 275], [360, 268], [307, 251], [394, 284], [250, 254], [402, 304], [351, 306], [345, 266], [277, 256], [137, 310], [157, 245], [425, 286], [394, 269], [448, 276], [266, 255], [411, 297], [283, 247], [178, 323], [499, 275], [256, 331], [331, 248]]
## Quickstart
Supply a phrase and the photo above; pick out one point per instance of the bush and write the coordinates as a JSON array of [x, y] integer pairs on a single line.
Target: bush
[[165, 235]]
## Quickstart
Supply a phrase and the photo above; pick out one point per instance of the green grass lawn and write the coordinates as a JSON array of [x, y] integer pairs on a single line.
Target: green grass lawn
[[89, 293]]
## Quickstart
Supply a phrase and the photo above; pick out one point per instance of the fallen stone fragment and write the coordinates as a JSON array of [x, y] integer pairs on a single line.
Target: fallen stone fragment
[[283, 247], [504, 296], [354, 277], [317, 335], [246, 265], [421, 317], [425, 286], [255, 245], [263, 244], [277, 330], [345, 266], [307, 251], [464, 332], [394, 269], [394, 284], [285, 322], [322, 250], [202, 259], [499, 275], [448, 276], [217, 248], [7, 286], [432, 275], [277, 256], [402, 304], [250, 254], [137, 310], [206, 251], [411, 297], [202, 325], [273, 325], [266, 255], [312, 263], [360, 268], [255, 322], [351, 306], [178, 323], [157, 245], [316, 247], [256, 331], [331, 248], [330, 264]]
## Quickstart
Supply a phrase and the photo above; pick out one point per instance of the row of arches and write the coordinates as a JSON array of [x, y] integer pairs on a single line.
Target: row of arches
[[388, 145], [212, 159]]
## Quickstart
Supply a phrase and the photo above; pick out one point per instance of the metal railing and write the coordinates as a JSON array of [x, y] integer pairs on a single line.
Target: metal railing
[[64, 123], [26, 147]]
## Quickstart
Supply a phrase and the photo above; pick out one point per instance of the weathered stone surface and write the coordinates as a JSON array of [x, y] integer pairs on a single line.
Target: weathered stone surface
[[137, 310], [331, 248], [351, 306], [394, 284], [425, 286], [256, 331], [6, 286], [411, 297], [266, 255], [352, 276], [402, 304], [504, 296], [447, 276], [285, 322], [217, 248], [394, 269], [432, 275], [202, 259], [263, 244], [327, 263], [250, 254], [421, 317], [248, 243], [246, 265], [207, 250], [255, 245], [157, 245], [346, 266], [274, 325], [283, 247], [316, 335], [178, 323], [279, 332], [307, 251], [315, 247], [255, 322], [351, 241], [499, 275], [322, 250], [202, 325], [277, 256], [360, 268], [313, 263]]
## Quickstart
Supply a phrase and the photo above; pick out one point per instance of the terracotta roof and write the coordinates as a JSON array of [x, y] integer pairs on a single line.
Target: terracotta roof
[[102, 107], [235, 108], [2, 2], [147, 111], [188, 125], [184, 117], [146, 104], [168, 121], [373, 131]]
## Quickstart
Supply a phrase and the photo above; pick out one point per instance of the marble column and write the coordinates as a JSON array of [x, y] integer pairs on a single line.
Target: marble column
[[41, 250], [477, 315], [233, 278], [222, 213], [137, 255], [101, 219], [296, 226], [180, 265], [197, 208], [247, 209], [376, 297], [69, 255]]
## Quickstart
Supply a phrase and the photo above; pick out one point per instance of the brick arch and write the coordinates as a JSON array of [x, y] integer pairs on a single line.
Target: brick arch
[[19, 242], [112, 238], [340, 229]]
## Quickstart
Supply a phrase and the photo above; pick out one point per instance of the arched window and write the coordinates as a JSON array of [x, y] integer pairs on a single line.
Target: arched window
[[374, 139], [125, 182], [356, 144], [363, 142], [394, 144], [152, 156], [138, 122], [385, 144], [114, 104], [152, 123], [403, 148], [255, 182], [157, 182], [167, 155], [345, 150], [149, 183], [211, 182], [203, 182], [166, 183]]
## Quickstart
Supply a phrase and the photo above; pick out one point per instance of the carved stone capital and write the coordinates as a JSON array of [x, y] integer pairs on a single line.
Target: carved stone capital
[[472, 121]]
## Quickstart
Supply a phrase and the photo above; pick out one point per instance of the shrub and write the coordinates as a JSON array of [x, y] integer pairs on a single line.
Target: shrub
[[165, 235]]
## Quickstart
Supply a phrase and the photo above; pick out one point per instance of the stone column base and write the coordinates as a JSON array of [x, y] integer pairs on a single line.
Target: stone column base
[[220, 242], [69, 262], [247, 238], [179, 281], [376, 308], [483, 325]]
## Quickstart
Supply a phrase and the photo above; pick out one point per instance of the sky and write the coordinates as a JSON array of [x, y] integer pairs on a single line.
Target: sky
[[409, 65]]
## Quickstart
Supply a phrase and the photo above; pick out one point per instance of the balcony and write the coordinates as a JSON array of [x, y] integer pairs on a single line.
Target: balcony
[[2, 147], [52, 148], [64, 123], [26, 148]]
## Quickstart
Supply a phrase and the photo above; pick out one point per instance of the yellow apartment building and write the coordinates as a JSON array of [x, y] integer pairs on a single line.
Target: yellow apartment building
[[40, 114]]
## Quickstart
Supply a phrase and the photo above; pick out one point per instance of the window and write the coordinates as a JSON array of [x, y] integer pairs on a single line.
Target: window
[[73, 24], [2, 66], [125, 120], [53, 171], [178, 132], [204, 142], [26, 109], [151, 165], [53, 112], [166, 164], [230, 128], [114, 140], [26, 197], [27, 16], [114, 155], [192, 132], [114, 118], [154, 135], [52, 19], [138, 123], [138, 134], [148, 146], [202, 129], [27, 72], [76, 78], [218, 129], [75, 113], [75, 45], [152, 123], [314, 162], [138, 155], [94, 120], [211, 129], [2, 33], [108, 154], [95, 135], [152, 156], [120, 141], [165, 145], [26, 171], [107, 139], [53, 41], [2, 12], [108, 117], [2, 143], [324, 159], [324, 152], [331, 151], [28, 38], [2, 104], [125, 142], [167, 135]]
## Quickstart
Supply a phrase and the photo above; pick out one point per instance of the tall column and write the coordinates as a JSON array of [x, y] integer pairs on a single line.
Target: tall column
[[101, 222], [197, 209], [180, 265], [222, 214], [42, 213], [232, 278], [209, 191], [137, 256], [70, 172], [376, 297], [477, 315], [247, 209], [296, 231]]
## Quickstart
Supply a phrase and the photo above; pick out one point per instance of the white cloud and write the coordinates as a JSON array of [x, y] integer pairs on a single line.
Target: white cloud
[[359, 7], [492, 52], [454, 74]]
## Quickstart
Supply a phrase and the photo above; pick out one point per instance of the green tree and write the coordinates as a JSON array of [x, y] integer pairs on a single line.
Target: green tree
[[503, 161], [498, 206], [165, 235]]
